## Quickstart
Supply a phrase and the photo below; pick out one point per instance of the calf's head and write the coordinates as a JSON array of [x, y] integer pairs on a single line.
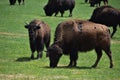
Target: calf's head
[[54, 52], [32, 28]]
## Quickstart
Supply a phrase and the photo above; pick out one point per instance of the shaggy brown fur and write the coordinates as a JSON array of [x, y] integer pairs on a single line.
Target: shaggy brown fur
[[39, 34], [77, 35], [108, 16]]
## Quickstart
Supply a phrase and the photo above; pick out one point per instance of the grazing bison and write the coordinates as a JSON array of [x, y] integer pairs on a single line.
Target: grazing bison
[[39, 34], [77, 35], [108, 16], [56, 6], [97, 2]]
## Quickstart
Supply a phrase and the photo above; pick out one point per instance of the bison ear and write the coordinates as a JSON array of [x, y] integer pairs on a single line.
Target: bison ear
[[26, 26]]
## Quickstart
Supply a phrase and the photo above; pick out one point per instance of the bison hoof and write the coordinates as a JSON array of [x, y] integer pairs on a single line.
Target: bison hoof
[[39, 56], [111, 66], [94, 66], [32, 57]]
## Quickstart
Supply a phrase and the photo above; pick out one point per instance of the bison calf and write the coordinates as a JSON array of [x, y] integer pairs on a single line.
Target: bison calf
[[39, 34], [108, 16], [77, 35]]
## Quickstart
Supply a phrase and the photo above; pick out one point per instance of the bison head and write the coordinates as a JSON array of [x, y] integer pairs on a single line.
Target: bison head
[[32, 30], [48, 10], [54, 52]]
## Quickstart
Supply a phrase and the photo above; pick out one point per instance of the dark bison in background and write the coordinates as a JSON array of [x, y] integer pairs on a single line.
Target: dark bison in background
[[56, 6], [108, 16], [97, 2], [77, 35], [39, 34], [12, 2]]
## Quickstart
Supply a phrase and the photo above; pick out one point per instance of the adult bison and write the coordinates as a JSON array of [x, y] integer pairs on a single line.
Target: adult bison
[[56, 6], [77, 35], [39, 34], [97, 2], [108, 16]]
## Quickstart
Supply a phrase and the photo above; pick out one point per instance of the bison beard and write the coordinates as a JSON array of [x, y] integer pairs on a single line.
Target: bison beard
[[77, 35]]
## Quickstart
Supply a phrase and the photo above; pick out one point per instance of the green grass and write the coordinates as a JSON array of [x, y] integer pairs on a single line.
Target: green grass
[[15, 52]]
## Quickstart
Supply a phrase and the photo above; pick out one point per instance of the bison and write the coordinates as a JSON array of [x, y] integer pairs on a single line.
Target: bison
[[97, 2], [56, 6], [79, 35], [39, 34], [108, 16]]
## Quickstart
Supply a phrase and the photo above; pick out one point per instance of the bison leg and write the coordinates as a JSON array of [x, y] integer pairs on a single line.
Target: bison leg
[[47, 43], [62, 12], [109, 54], [39, 55], [23, 2], [56, 13], [73, 59], [32, 55], [114, 30], [86, 1], [19, 1], [99, 55], [70, 15]]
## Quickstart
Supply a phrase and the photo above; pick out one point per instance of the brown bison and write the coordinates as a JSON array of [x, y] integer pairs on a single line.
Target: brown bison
[[77, 35], [39, 34], [97, 2], [108, 16], [56, 6]]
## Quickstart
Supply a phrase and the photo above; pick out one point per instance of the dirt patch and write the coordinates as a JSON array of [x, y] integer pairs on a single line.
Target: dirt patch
[[115, 42], [16, 77], [11, 34]]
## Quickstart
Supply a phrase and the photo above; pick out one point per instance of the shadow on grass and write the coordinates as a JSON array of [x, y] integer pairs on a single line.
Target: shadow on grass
[[23, 59], [66, 67], [56, 16]]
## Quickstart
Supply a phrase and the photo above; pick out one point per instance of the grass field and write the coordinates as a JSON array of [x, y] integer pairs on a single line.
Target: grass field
[[15, 63]]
